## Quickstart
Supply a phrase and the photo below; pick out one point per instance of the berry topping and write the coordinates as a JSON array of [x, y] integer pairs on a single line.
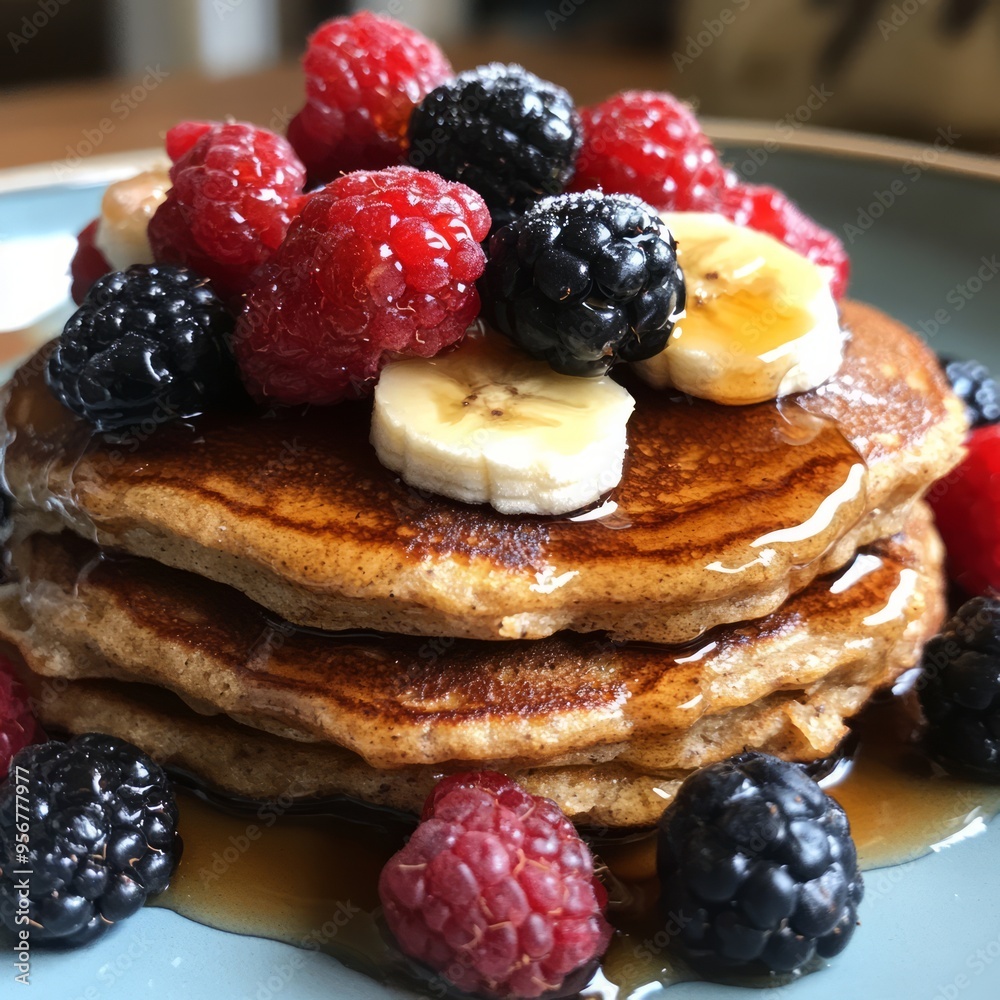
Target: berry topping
[[18, 727], [364, 74], [183, 136], [649, 144], [960, 689], [501, 130], [770, 211], [584, 281], [149, 343], [88, 263], [235, 190], [101, 838], [757, 867], [496, 892], [976, 387], [967, 510], [377, 265]]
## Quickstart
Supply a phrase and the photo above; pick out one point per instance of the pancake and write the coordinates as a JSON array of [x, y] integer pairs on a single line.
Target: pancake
[[784, 683], [624, 790], [234, 760], [722, 513]]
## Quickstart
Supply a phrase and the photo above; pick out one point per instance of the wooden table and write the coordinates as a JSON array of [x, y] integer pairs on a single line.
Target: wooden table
[[70, 120]]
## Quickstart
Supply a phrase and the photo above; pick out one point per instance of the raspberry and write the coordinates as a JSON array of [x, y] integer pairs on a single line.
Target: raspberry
[[967, 508], [18, 727], [771, 211], [88, 263], [649, 144], [378, 264], [496, 891], [585, 281], [183, 136], [501, 130], [364, 75], [235, 190]]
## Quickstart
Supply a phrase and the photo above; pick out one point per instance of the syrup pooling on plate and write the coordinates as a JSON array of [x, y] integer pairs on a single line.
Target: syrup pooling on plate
[[311, 880]]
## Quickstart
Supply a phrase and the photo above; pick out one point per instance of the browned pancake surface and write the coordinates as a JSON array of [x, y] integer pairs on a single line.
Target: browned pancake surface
[[786, 681], [623, 791], [722, 511]]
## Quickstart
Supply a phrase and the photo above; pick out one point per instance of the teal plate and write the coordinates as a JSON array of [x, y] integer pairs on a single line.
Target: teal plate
[[923, 229]]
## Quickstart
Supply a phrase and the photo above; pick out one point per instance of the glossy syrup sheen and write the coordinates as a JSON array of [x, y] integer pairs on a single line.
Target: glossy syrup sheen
[[399, 700], [311, 881], [714, 505]]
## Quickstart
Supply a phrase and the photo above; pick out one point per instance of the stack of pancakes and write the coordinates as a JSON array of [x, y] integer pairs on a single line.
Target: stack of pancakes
[[257, 602]]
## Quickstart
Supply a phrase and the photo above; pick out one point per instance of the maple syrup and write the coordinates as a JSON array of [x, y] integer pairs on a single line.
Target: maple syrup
[[311, 880], [705, 511]]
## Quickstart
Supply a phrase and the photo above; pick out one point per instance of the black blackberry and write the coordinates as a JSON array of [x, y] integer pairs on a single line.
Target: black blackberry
[[976, 387], [147, 344], [758, 868], [585, 281], [500, 129], [101, 837], [960, 689]]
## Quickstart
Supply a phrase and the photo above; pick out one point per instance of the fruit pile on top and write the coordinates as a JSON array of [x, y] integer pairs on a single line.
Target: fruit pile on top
[[471, 241]]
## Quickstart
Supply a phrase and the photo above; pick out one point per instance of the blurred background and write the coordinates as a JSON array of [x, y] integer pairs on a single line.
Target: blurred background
[[72, 72]]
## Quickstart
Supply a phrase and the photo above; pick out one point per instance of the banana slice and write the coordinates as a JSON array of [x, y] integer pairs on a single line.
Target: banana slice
[[488, 424], [126, 208], [760, 320]]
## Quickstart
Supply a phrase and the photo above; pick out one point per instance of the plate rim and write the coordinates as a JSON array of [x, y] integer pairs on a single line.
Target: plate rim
[[728, 131], [854, 145]]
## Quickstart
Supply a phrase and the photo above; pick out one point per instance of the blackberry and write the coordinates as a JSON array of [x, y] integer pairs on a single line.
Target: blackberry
[[585, 281], [758, 867], [149, 343], [975, 386], [960, 689], [101, 838], [502, 131]]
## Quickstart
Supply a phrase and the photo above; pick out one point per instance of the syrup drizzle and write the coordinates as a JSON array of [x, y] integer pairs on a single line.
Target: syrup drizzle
[[311, 880], [785, 489]]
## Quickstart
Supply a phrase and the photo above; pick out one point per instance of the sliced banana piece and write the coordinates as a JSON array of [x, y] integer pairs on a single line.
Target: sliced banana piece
[[760, 321], [126, 208], [488, 424]]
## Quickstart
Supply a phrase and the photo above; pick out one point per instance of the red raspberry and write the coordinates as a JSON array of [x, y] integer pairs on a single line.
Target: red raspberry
[[235, 190], [496, 891], [183, 136], [771, 211], [18, 727], [377, 264], [88, 263], [967, 508], [364, 75], [649, 144]]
